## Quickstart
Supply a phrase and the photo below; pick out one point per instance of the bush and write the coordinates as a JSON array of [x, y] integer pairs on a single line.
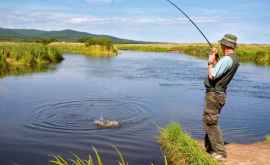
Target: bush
[[101, 41]]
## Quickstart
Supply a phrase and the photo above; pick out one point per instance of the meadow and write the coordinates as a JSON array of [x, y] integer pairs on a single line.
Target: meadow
[[258, 54]]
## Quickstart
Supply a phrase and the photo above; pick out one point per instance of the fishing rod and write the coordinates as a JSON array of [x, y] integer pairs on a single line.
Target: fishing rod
[[197, 27]]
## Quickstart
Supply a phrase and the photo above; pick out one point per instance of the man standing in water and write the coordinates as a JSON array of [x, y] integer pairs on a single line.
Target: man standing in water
[[220, 73]]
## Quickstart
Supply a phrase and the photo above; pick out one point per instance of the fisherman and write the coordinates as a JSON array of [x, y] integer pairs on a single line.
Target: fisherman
[[220, 73]]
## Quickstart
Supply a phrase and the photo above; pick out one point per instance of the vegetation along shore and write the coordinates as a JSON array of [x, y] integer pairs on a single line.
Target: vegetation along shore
[[258, 54], [27, 57], [93, 50], [181, 149], [20, 58]]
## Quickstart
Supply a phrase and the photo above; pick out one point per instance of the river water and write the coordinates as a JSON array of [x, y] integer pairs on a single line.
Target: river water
[[46, 114]]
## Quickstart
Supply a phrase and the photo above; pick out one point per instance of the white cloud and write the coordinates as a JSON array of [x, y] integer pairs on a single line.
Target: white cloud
[[47, 18], [134, 27]]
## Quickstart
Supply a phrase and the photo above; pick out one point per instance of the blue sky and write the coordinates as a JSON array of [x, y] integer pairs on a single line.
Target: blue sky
[[149, 20]]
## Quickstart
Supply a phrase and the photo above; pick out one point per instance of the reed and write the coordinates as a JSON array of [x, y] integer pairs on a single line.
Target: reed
[[91, 160], [18, 58], [258, 54], [59, 160], [181, 149], [81, 48]]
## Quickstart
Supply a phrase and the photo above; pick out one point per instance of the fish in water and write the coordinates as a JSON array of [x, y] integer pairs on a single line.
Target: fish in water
[[103, 123]]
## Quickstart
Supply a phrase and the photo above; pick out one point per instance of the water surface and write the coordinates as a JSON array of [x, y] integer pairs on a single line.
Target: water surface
[[52, 113]]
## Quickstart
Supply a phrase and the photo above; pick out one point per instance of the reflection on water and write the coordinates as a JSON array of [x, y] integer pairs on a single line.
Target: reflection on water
[[53, 113], [18, 70]]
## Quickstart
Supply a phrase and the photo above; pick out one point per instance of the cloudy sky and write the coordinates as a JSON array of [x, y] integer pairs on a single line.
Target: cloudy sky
[[149, 20]]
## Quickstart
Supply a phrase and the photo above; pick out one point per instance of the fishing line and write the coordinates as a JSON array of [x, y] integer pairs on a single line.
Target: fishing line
[[193, 23]]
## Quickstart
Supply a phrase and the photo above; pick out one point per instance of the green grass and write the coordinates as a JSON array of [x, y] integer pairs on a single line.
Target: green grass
[[258, 54], [81, 48], [267, 139], [19, 58], [91, 160], [181, 149]]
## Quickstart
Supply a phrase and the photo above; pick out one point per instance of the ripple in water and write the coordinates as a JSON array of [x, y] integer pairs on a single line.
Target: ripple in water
[[79, 115]]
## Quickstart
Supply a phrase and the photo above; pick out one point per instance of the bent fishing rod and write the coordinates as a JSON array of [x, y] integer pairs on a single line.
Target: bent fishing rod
[[193, 23]]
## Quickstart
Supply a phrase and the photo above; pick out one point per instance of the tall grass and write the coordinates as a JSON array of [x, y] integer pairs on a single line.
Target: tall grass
[[92, 160], [181, 149], [81, 48], [267, 139], [254, 53], [16, 58]]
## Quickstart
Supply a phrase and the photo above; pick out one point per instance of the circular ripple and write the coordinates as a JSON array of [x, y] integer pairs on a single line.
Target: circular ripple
[[79, 115]]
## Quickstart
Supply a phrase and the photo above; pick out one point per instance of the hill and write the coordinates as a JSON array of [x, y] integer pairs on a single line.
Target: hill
[[62, 35]]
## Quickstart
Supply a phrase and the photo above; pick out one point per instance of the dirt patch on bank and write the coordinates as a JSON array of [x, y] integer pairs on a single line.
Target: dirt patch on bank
[[248, 154]]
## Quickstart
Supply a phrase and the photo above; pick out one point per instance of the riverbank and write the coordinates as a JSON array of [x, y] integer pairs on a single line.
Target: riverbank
[[258, 54], [21, 58], [81, 48], [180, 148], [248, 154], [18, 58]]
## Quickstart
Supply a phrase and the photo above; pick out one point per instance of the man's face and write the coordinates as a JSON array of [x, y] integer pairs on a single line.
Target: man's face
[[223, 48]]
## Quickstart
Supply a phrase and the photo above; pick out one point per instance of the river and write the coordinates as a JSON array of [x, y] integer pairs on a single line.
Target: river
[[51, 113]]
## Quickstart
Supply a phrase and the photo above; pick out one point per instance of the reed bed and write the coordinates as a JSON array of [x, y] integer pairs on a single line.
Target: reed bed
[[181, 149], [81, 48], [258, 54], [18, 58]]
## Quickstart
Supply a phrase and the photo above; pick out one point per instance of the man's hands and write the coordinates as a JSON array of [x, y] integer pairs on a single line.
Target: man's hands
[[213, 56], [212, 61]]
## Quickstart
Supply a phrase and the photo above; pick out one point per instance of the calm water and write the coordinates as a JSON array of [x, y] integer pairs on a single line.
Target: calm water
[[52, 113]]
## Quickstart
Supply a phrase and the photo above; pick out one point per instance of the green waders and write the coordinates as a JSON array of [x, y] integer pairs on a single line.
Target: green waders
[[214, 142]]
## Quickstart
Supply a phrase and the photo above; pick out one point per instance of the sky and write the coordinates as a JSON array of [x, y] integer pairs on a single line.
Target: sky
[[147, 20]]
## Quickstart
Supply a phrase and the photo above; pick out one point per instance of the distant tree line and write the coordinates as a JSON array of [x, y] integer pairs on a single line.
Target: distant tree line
[[46, 41], [101, 41]]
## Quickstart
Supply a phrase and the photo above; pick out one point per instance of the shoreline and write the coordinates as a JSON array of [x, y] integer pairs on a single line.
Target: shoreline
[[19, 58], [258, 54], [181, 148]]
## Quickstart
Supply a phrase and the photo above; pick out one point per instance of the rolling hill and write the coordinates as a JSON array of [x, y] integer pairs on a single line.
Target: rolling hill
[[62, 35]]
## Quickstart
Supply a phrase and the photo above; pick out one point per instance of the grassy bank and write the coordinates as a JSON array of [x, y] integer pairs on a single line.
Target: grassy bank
[[267, 139], [20, 58], [81, 48], [252, 53], [181, 149]]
